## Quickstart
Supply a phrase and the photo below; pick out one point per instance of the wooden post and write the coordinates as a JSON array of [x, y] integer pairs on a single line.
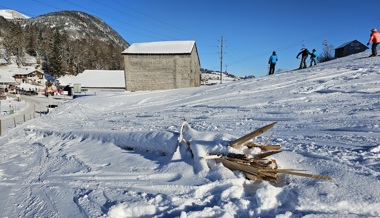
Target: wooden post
[[24, 118], [14, 121], [0, 128]]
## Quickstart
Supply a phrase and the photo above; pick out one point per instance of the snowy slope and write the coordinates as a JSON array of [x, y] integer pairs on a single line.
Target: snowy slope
[[11, 14], [114, 154]]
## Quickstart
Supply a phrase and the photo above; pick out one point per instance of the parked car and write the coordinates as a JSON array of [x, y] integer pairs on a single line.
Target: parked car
[[30, 92], [50, 108]]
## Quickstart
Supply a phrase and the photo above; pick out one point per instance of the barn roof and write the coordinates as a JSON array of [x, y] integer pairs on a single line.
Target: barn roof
[[347, 43], [164, 47]]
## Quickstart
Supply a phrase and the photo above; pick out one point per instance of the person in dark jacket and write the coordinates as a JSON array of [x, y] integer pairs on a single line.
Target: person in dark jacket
[[313, 58], [272, 63], [305, 53]]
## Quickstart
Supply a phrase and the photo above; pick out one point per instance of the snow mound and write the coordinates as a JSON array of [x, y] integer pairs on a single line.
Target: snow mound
[[116, 155]]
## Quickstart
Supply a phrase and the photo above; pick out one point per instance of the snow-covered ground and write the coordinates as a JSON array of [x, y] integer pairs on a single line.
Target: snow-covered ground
[[214, 78], [114, 154]]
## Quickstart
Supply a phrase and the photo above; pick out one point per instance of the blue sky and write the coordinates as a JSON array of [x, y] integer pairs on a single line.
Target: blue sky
[[251, 29]]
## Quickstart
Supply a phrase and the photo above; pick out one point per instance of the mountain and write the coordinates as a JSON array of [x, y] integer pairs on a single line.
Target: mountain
[[78, 25], [65, 42], [11, 14]]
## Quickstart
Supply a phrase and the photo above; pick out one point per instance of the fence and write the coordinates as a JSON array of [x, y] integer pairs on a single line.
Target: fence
[[12, 121]]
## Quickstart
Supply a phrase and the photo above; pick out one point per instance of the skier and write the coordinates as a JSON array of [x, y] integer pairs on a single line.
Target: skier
[[305, 53], [313, 58], [375, 39], [272, 63]]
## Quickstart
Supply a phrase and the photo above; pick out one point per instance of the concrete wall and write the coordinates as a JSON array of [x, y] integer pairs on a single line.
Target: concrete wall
[[161, 71]]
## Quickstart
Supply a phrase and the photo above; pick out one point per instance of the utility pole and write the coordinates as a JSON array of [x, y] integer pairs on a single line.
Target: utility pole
[[221, 59]]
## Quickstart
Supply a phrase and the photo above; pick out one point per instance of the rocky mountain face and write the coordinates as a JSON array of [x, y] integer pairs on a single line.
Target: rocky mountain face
[[65, 42], [78, 25]]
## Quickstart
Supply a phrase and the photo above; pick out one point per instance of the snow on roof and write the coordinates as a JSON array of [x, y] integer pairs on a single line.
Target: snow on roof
[[164, 47], [6, 80], [96, 79], [25, 71], [344, 44]]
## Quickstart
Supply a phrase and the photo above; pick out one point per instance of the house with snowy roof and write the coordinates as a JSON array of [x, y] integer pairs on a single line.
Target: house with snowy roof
[[349, 48], [161, 65], [30, 76]]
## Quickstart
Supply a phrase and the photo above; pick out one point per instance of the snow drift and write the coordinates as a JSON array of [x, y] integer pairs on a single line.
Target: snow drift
[[115, 155]]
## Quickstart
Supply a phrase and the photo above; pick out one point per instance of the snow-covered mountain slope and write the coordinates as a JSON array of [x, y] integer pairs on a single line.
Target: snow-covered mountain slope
[[11, 14], [79, 25], [114, 154]]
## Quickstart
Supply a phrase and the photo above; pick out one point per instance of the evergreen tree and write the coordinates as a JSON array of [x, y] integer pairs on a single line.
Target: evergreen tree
[[59, 52], [55, 67], [13, 42]]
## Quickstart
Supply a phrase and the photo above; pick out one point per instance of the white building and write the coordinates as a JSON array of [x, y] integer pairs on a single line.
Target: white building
[[96, 79]]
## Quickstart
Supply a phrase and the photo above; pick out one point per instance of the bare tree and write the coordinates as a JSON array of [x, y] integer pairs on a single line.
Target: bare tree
[[327, 53]]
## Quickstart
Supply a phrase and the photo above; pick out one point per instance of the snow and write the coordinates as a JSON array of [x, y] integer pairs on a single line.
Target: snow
[[96, 78], [11, 14], [114, 154], [164, 47]]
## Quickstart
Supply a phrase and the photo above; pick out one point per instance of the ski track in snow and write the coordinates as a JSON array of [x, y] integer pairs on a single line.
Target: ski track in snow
[[115, 155]]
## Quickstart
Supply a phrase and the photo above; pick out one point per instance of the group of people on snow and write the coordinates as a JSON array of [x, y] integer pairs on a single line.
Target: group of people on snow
[[374, 38], [304, 54]]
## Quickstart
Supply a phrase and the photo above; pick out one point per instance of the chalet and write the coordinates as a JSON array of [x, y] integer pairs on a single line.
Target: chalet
[[161, 65], [34, 77], [349, 48]]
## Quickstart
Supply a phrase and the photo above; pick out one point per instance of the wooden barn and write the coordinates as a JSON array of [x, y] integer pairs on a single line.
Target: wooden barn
[[349, 48], [161, 65]]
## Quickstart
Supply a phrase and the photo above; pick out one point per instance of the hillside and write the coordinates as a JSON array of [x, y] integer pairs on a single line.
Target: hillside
[[114, 154], [65, 42], [78, 25], [11, 14]]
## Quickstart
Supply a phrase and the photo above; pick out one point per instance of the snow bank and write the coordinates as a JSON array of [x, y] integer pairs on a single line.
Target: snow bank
[[116, 154]]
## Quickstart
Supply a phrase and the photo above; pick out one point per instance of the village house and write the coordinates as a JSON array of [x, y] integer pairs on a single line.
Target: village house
[[161, 65], [34, 77], [349, 48]]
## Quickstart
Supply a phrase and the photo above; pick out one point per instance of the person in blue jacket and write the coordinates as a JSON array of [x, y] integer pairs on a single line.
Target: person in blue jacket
[[313, 58], [272, 63]]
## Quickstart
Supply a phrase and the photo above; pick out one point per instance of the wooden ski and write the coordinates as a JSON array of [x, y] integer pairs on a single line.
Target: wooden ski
[[238, 143]]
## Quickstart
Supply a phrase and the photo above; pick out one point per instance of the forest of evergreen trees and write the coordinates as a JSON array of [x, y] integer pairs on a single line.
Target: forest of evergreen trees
[[55, 51]]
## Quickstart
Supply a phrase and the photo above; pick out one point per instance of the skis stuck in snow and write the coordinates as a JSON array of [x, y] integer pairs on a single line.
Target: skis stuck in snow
[[259, 167]]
